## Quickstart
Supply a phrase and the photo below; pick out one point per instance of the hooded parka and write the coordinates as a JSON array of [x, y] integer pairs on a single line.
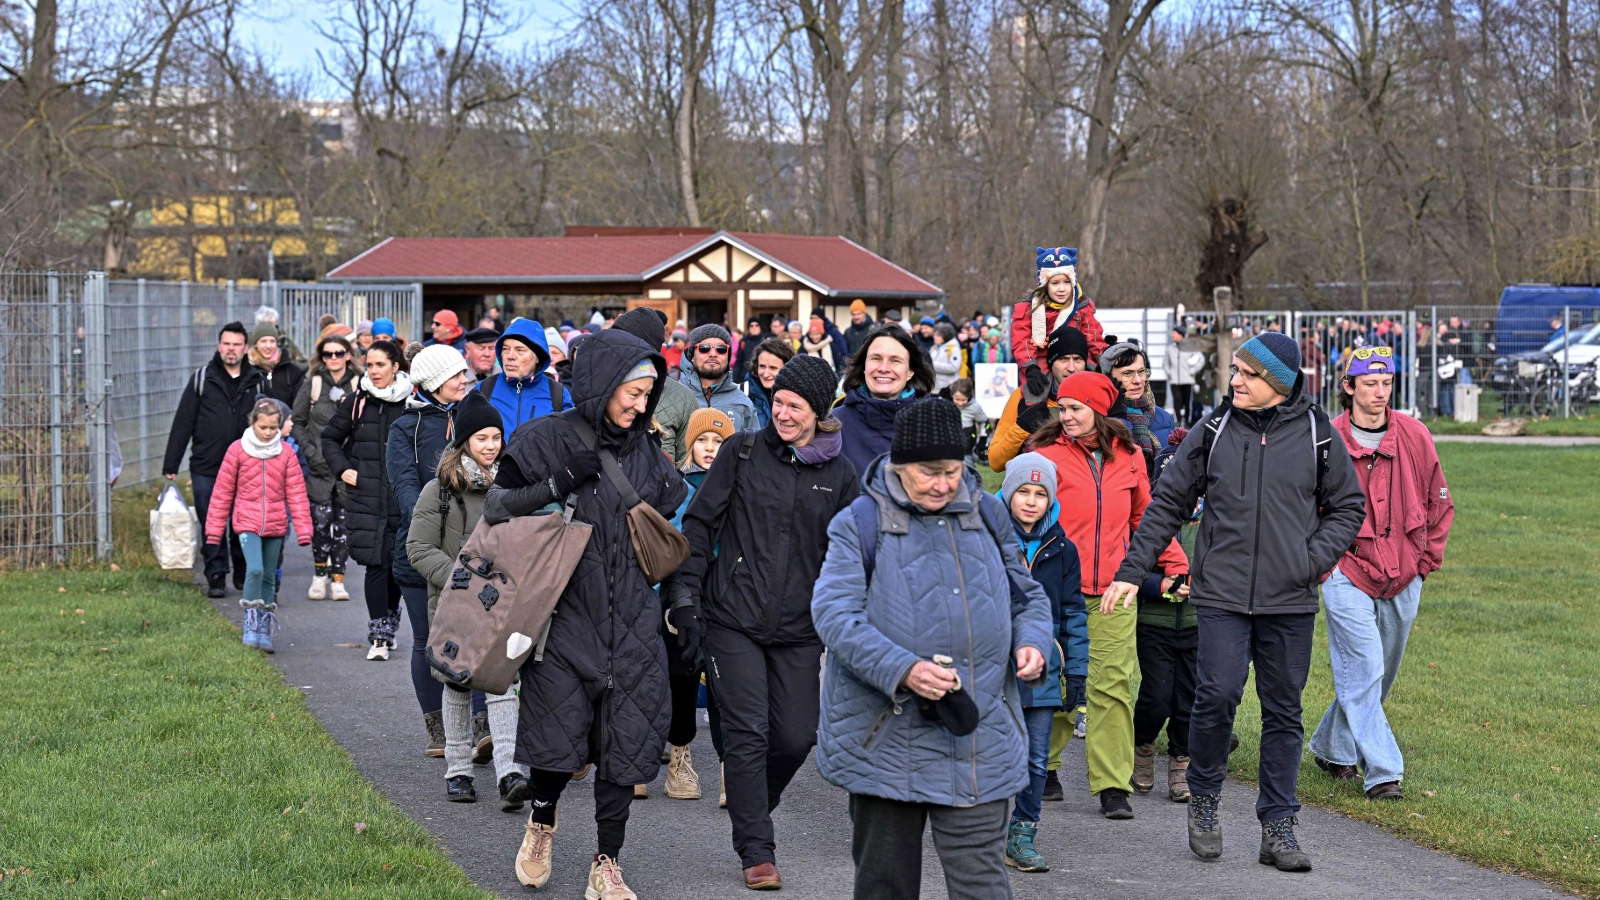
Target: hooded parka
[[521, 399], [357, 437], [416, 440], [868, 425]]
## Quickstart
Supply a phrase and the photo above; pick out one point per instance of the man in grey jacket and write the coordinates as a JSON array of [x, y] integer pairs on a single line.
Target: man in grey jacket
[[1282, 505], [708, 376]]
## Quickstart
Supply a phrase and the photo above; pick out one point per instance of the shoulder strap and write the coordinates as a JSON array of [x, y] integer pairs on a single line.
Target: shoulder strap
[[487, 387], [1321, 441], [1210, 430], [865, 511], [444, 509], [747, 445], [199, 382], [608, 460], [316, 388], [555, 390]]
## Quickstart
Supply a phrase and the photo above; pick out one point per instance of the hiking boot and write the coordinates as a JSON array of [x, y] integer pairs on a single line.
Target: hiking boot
[[266, 621], [433, 723], [1080, 725], [1340, 772], [605, 881], [722, 786], [318, 589], [336, 589], [682, 782], [1144, 768], [514, 791], [1205, 832], [1178, 779], [533, 857], [1280, 850], [1114, 804], [1233, 742], [249, 628], [238, 579], [460, 790], [763, 877], [1020, 852], [379, 651], [641, 792], [482, 742], [217, 586], [1052, 786], [1389, 790]]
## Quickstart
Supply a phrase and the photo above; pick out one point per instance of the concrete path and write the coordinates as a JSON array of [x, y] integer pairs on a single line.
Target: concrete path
[[1533, 440], [680, 850]]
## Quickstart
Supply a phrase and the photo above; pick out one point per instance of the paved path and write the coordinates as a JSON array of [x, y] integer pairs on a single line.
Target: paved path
[[1534, 440], [679, 850]]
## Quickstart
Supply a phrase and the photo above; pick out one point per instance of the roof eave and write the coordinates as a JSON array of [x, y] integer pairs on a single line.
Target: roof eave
[[492, 279]]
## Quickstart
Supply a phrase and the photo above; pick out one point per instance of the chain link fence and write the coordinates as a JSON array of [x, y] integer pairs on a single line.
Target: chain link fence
[[1534, 363]]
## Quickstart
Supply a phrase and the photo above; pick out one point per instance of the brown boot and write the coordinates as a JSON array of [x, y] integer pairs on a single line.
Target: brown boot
[[682, 782], [1144, 768], [763, 877], [1178, 779], [433, 723]]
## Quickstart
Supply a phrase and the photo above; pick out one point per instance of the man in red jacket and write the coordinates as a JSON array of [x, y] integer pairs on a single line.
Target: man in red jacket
[[1371, 597]]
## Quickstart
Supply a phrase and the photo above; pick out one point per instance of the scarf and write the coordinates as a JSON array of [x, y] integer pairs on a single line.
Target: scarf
[[476, 475], [1140, 414], [825, 446], [258, 450], [266, 364], [820, 348], [398, 390], [1039, 326]]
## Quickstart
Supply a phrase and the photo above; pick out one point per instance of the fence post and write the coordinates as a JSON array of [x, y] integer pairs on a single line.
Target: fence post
[[416, 310], [58, 510], [1566, 361], [1411, 354], [187, 325], [1433, 359], [97, 388], [144, 384], [232, 298]]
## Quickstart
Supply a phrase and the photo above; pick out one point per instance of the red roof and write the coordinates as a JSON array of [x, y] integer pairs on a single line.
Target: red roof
[[832, 265]]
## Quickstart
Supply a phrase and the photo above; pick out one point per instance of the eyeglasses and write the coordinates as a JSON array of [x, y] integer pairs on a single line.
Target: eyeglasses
[[1369, 352], [1138, 373], [718, 349], [334, 354], [1244, 373]]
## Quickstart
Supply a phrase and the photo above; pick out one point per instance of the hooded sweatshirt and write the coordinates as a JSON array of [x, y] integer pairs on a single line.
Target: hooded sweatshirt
[[521, 399]]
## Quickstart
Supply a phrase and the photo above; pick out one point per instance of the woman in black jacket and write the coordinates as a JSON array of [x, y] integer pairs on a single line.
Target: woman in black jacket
[[354, 444], [600, 695], [765, 508]]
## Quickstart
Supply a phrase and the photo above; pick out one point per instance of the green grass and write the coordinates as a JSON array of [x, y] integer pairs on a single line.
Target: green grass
[[148, 754], [1577, 426]]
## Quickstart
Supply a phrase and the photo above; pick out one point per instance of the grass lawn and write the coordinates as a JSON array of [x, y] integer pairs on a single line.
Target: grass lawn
[[148, 754], [1577, 426], [1497, 705]]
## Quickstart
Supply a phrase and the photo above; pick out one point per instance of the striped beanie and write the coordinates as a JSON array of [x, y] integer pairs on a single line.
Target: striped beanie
[[1276, 356]]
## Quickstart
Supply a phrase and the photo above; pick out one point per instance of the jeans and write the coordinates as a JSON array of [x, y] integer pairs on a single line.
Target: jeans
[[1038, 720], [430, 693], [886, 846], [1108, 747], [216, 557], [1280, 648], [1366, 640], [260, 563]]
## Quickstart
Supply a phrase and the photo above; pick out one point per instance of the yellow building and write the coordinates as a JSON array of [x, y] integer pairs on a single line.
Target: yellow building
[[222, 236]]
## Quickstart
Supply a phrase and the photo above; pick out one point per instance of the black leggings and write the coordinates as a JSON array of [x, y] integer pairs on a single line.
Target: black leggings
[[685, 696], [611, 803], [382, 592]]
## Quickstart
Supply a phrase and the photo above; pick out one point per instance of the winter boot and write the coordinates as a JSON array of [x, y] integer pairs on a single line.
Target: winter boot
[[217, 586], [605, 881], [434, 723], [265, 623], [533, 857], [336, 589], [1205, 833], [249, 628], [1178, 779], [682, 781], [460, 790], [1144, 768], [1052, 786], [1020, 852], [1114, 804], [514, 791], [319, 588], [482, 742], [1279, 848]]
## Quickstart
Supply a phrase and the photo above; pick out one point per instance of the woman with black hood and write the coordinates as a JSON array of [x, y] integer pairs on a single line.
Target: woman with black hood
[[600, 695], [888, 373]]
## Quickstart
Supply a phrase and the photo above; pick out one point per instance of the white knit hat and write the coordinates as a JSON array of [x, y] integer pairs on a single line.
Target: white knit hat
[[435, 365]]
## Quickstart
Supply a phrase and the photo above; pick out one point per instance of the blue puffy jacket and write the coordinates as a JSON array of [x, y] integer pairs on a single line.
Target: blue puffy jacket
[[1053, 560], [939, 587], [416, 440], [521, 399]]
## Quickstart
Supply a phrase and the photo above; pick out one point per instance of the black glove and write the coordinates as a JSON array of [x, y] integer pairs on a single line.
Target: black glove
[[686, 620], [1030, 418], [577, 468], [1038, 381]]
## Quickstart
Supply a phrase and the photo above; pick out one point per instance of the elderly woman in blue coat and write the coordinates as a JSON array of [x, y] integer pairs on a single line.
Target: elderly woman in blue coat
[[930, 621]]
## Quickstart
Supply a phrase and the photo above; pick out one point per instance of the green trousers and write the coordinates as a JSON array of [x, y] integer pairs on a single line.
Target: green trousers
[[1112, 659]]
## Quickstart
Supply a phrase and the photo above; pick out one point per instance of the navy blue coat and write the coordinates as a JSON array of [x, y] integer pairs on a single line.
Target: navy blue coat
[[1052, 558], [416, 440]]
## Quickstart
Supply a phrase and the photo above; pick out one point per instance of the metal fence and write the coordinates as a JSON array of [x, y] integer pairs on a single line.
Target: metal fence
[[1529, 363]]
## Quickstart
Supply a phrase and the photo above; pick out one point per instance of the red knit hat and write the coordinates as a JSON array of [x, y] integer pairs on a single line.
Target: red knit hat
[[1091, 389]]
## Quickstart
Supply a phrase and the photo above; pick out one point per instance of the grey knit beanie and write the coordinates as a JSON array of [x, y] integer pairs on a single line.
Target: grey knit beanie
[[709, 330], [1028, 468]]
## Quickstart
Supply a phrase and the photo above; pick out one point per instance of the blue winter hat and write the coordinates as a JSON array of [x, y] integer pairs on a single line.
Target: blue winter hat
[[1051, 261], [927, 320], [1276, 356], [383, 326]]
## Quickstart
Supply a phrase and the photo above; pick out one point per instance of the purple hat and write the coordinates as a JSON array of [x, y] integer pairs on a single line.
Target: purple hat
[[1376, 360]]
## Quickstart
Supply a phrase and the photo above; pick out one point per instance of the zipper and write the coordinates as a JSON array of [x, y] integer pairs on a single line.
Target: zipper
[[1255, 556], [1099, 502], [877, 727], [966, 609]]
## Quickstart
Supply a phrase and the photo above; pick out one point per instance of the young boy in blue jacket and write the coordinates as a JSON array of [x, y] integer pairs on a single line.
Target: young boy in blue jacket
[[1029, 492]]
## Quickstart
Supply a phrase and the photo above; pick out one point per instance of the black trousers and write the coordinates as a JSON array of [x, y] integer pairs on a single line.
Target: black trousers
[[1182, 401], [685, 705], [1280, 649], [1166, 686], [612, 804], [886, 846], [216, 557], [769, 698], [382, 592]]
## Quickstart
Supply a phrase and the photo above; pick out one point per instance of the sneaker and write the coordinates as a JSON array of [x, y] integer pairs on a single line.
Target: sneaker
[[249, 628], [641, 792], [1178, 779], [318, 589], [514, 791], [533, 857], [605, 881], [459, 789], [336, 589], [482, 741], [379, 650], [722, 786], [1205, 833], [1080, 726], [433, 723], [1144, 768], [682, 782], [1020, 852], [1279, 848], [1052, 786], [217, 586], [1114, 804], [265, 623]]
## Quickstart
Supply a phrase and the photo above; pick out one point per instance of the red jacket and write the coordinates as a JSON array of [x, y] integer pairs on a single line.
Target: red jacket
[[259, 495], [1409, 509], [1100, 511], [1022, 347]]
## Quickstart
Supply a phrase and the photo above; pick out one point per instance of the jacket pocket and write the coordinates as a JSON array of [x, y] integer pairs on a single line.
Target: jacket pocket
[[877, 726], [1021, 729]]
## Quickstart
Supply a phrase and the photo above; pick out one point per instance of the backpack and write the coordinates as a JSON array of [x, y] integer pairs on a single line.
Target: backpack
[[1214, 423], [865, 510]]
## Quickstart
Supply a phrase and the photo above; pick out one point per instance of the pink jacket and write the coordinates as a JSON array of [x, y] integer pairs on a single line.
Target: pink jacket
[[260, 494], [1409, 509]]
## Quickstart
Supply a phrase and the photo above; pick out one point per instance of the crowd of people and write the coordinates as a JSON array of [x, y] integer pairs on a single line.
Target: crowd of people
[[850, 584]]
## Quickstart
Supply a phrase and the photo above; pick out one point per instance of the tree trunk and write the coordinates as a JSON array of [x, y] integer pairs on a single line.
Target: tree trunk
[[686, 147], [894, 125], [1234, 239]]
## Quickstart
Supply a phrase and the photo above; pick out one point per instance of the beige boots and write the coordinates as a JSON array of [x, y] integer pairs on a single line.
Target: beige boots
[[682, 782]]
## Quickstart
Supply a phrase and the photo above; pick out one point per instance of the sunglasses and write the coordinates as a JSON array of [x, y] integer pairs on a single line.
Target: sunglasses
[[718, 349], [1369, 352], [334, 354]]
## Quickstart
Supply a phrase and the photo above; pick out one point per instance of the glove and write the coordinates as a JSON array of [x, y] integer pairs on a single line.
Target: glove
[[685, 620], [1038, 382], [1034, 416], [577, 468]]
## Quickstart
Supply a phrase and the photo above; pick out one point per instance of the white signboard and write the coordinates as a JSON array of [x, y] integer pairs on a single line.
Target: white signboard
[[994, 383]]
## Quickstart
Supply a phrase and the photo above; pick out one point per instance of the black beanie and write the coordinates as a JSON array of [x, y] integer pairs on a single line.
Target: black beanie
[[812, 378], [1066, 341], [474, 414], [644, 323], [927, 430]]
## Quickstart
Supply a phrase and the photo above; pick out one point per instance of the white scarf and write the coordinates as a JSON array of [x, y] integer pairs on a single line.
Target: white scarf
[[258, 450], [1041, 333], [398, 390]]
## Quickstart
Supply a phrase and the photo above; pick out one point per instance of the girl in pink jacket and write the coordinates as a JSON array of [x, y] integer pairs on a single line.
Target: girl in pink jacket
[[258, 487]]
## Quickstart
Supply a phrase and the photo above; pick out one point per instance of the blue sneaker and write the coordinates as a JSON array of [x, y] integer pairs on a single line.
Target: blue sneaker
[[1020, 852], [250, 627], [268, 621]]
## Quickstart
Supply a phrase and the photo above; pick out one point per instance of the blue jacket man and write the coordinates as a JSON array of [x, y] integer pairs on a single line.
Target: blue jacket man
[[523, 389]]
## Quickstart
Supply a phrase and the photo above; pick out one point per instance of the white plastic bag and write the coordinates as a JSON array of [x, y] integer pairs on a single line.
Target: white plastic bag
[[174, 530]]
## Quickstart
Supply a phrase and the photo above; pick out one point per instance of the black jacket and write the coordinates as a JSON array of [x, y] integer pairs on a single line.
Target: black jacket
[[416, 440], [856, 335], [282, 382], [758, 532], [213, 411], [600, 695], [1268, 535], [357, 437]]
